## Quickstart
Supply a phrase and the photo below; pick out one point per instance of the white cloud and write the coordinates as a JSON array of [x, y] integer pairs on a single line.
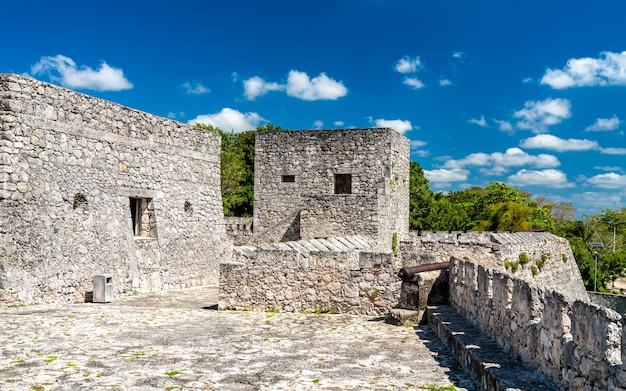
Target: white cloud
[[229, 119], [445, 82], [319, 88], [609, 168], [400, 126], [457, 54], [446, 175], [255, 86], [604, 124], [498, 163], [527, 80], [413, 82], [517, 157], [408, 65], [591, 202], [318, 124], [609, 69], [64, 70], [173, 115], [537, 116], [610, 180], [420, 152], [504, 126], [553, 143], [339, 123], [613, 151], [299, 85], [479, 121], [417, 144], [195, 88], [548, 178]]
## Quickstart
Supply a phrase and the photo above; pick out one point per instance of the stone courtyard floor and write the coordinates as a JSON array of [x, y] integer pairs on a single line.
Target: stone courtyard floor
[[177, 341]]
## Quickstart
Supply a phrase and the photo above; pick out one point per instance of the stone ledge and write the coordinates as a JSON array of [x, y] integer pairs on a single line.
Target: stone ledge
[[404, 317], [486, 362]]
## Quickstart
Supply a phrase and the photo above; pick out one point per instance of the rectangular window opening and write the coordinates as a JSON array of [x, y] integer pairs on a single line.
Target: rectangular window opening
[[343, 183], [288, 178], [143, 218]]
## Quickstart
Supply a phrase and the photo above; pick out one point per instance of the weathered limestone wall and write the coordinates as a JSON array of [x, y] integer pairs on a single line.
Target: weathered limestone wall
[[378, 161], [319, 275], [326, 216], [615, 302], [239, 229], [69, 166], [576, 344], [540, 258]]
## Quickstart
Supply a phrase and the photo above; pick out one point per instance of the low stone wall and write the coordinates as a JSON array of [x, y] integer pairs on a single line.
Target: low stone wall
[[615, 302], [238, 229], [290, 280], [576, 345]]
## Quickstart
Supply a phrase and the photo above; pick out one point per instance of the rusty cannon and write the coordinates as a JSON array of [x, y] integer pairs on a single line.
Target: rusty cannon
[[406, 273]]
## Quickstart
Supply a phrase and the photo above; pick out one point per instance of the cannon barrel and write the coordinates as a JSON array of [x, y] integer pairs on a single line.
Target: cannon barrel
[[409, 272]]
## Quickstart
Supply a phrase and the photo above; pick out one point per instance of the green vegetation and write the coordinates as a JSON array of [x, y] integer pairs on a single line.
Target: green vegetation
[[533, 270], [174, 373], [237, 168], [68, 365], [394, 243], [441, 388], [523, 259]]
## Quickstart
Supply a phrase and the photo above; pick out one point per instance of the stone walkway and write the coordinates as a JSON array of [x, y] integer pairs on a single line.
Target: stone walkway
[[177, 341]]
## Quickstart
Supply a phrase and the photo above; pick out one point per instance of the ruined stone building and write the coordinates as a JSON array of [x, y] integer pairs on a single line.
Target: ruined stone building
[[91, 187], [324, 183]]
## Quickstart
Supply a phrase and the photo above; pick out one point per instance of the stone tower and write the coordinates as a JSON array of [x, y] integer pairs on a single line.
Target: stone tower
[[323, 183]]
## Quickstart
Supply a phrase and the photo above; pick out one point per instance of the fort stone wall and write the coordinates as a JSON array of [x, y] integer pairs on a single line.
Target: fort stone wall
[[540, 258], [91, 187], [577, 345], [349, 181], [337, 275]]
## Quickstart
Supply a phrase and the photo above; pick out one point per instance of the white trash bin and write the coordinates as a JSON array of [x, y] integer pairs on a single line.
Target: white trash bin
[[102, 288]]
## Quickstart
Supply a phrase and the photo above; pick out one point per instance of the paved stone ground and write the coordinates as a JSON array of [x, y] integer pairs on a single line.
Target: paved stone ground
[[177, 341]]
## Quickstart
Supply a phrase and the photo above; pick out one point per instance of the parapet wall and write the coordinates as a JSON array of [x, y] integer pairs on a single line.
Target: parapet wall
[[576, 344], [239, 229], [91, 187], [540, 258], [335, 275]]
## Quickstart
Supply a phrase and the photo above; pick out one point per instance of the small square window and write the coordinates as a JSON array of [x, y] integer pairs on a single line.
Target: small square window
[[288, 178], [143, 218], [343, 183]]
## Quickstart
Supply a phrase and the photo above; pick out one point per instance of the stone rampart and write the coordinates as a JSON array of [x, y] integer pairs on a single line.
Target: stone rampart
[[239, 229], [91, 187], [335, 275], [577, 345], [615, 302], [540, 258]]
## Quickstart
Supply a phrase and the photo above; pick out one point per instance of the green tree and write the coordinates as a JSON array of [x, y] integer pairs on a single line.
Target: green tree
[[504, 216], [237, 168], [420, 198], [606, 227]]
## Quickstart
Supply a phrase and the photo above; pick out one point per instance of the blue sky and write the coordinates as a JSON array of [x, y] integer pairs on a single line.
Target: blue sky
[[530, 93]]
